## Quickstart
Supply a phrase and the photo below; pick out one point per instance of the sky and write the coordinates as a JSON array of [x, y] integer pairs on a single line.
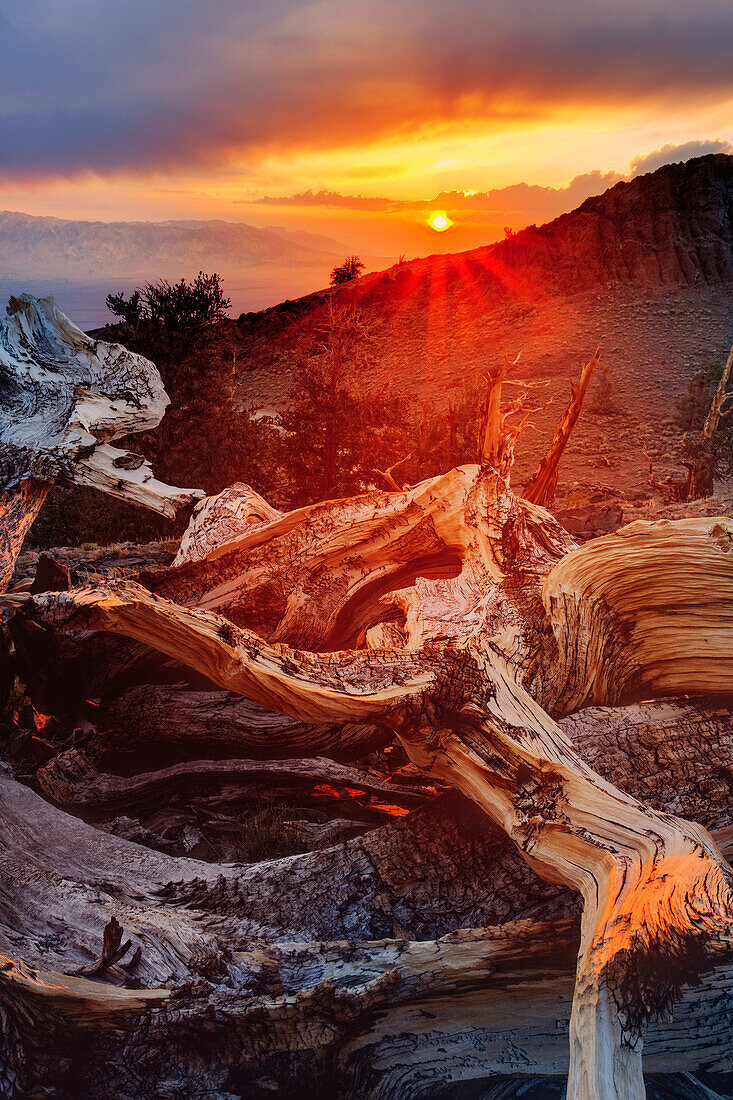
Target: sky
[[356, 119]]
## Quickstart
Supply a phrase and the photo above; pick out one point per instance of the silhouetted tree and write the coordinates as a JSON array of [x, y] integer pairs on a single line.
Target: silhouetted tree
[[351, 268], [165, 320]]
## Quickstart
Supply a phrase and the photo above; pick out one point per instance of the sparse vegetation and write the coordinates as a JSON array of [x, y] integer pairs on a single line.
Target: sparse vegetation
[[266, 833], [350, 269], [164, 320], [337, 429], [693, 406]]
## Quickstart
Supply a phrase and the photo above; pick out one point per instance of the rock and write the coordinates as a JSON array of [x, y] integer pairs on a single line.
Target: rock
[[592, 520], [51, 575], [670, 227]]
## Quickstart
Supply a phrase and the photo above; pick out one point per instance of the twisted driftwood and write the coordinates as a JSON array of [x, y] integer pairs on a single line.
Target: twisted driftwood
[[64, 396], [466, 623]]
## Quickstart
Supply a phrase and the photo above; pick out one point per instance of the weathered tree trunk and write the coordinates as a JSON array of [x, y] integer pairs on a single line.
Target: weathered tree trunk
[[73, 781], [541, 486], [64, 396], [178, 716], [18, 509], [721, 396], [466, 623], [459, 708], [410, 1015]]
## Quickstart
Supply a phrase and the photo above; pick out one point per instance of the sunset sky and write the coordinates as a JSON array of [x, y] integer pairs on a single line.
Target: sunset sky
[[351, 118]]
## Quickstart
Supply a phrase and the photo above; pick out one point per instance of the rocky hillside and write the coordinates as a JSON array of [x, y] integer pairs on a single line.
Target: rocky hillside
[[445, 320], [671, 227], [645, 270]]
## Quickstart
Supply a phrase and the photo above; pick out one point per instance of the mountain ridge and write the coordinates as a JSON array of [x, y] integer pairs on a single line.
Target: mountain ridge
[[46, 246], [671, 227]]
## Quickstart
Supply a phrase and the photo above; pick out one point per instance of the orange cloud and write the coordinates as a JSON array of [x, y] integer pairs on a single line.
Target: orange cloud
[[172, 86]]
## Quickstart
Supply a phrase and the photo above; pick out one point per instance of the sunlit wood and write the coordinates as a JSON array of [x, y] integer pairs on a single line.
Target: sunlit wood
[[463, 620]]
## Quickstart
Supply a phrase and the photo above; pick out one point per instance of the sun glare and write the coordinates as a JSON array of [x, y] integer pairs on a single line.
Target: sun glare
[[439, 221]]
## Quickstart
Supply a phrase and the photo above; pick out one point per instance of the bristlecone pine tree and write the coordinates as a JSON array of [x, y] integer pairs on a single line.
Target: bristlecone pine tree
[[510, 664]]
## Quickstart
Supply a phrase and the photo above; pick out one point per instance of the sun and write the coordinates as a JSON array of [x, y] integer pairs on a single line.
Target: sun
[[439, 221]]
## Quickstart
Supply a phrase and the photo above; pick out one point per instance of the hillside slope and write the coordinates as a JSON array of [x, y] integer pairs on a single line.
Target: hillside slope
[[646, 270], [671, 227]]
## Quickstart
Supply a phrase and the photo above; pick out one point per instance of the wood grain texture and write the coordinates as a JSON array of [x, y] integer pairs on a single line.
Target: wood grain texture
[[64, 397], [465, 622]]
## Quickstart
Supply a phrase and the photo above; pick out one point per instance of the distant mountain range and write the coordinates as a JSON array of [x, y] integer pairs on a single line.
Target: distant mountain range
[[39, 247], [79, 262]]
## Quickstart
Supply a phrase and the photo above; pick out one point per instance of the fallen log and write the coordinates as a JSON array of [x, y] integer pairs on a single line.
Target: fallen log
[[463, 717], [72, 780], [463, 621], [195, 924], [181, 717], [423, 875], [420, 877], [390, 1036]]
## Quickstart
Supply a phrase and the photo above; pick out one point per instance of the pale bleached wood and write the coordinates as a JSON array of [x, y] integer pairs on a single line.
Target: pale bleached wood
[[216, 520], [647, 610], [486, 608], [720, 398], [65, 397], [463, 716]]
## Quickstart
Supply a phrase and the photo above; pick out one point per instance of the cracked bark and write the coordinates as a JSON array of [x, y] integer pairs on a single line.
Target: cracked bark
[[657, 893], [495, 999], [64, 397], [465, 622]]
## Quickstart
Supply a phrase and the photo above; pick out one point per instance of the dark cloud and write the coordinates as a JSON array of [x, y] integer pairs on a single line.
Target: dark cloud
[[335, 199], [670, 154], [520, 200], [140, 85]]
